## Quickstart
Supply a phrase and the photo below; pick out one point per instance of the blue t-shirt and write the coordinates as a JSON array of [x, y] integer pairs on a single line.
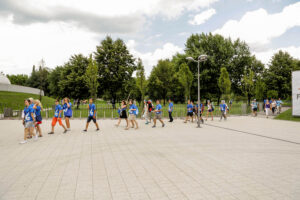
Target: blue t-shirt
[[27, 114], [67, 110], [132, 106], [171, 107], [190, 108], [57, 109], [92, 110], [254, 104], [268, 105], [38, 111], [158, 107], [278, 103], [200, 109], [223, 107]]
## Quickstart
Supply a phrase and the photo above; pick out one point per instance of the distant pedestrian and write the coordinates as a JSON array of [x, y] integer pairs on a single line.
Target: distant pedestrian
[[273, 106], [278, 105], [189, 113], [171, 106], [133, 112], [123, 114], [38, 116], [150, 110], [67, 107], [57, 117], [223, 109], [28, 121], [267, 108], [92, 115], [254, 106], [158, 114], [200, 110], [145, 111], [210, 110]]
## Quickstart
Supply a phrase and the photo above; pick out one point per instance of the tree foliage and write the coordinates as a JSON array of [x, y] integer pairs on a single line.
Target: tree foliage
[[91, 77], [224, 83]]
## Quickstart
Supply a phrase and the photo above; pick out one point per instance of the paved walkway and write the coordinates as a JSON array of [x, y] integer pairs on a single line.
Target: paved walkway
[[252, 158]]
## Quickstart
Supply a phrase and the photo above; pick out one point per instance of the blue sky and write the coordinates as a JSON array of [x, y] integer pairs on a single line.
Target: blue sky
[[54, 30]]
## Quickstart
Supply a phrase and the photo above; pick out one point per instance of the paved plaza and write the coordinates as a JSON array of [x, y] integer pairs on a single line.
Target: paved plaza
[[243, 158]]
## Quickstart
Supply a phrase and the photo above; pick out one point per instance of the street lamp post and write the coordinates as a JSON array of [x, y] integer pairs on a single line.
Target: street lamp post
[[201, 58]]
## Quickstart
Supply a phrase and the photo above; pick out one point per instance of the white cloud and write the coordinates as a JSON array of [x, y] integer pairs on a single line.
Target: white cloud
[[23, 46], [259, 27], [266, 56], [201, 18], [150, 59]]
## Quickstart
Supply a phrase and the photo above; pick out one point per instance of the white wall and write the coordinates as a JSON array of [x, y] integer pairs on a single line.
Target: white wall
[[18, 88], [296, 92]]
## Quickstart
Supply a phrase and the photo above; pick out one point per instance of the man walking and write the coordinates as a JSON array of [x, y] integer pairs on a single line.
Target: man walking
[[170, 110], [158, 114]]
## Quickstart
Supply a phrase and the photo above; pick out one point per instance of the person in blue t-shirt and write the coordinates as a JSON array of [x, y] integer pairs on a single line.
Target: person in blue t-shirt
[[200, 110], [223, 109], [67, 107], [38, 108], [189, 111], [28, 121], [92, 115], [158, 114], [254, 106], [133, 112], [171, 107], [57, 117], [278, 105]]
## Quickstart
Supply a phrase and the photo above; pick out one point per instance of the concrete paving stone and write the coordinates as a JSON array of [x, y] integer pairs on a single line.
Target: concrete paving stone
[[176, 162]]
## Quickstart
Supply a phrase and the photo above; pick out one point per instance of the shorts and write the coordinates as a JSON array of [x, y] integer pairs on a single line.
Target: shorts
[[55, 119], [123, 114], [189, 114], [37, 123], [158, 116], [210, 110], [132, 116], [29, 124], [90, 118], [255, 109], [68, 116]]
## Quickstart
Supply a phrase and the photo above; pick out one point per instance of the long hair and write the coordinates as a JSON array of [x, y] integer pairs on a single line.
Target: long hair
[[38, 103]]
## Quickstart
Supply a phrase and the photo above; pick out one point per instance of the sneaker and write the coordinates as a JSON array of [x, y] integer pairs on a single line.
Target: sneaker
[[84, 130], [97, 129], [23, 142], [68, 129], [163, 125], [153, 126], [65, 131], [35, 137], [51, 133]]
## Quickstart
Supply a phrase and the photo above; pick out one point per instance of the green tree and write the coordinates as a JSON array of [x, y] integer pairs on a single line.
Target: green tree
[[19, 79], [185, 77], [54, 77], [72, 82], [141, 80], [222, 52], [160, 80], [248, 84], [116, 66], [91, 77], [224, 83], [260, 89], [278, 75]]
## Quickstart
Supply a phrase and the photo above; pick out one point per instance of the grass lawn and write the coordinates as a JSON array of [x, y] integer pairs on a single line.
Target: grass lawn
[[287, 115], [15, 100]]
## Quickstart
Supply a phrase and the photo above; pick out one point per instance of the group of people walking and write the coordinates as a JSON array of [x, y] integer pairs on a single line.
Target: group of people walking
[[269, 106], [32, 118]]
